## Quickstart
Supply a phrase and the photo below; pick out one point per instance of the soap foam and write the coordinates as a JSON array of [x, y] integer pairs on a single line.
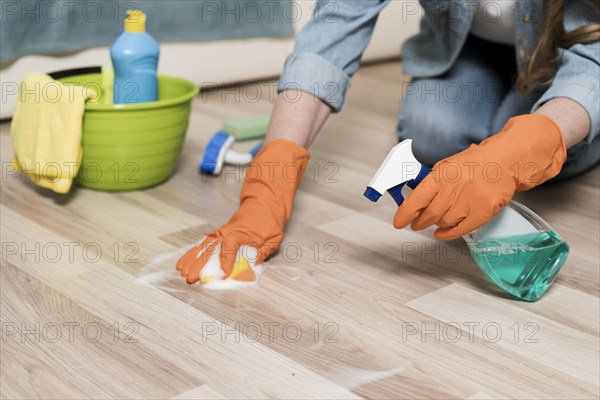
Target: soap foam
[[213, 268], [229, 284], [351, 378], [161, 269]]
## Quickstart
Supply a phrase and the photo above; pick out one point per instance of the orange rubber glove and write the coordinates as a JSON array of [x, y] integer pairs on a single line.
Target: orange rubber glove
[[266, 202], [466, 190]]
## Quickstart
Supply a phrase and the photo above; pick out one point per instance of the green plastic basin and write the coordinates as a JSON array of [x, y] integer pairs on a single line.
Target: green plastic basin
[[133, 146]]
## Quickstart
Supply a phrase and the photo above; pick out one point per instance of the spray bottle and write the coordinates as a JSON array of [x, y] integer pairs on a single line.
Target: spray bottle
[[517, 249], [135, 61]]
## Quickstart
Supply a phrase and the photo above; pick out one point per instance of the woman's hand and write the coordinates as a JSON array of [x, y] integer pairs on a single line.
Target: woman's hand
[[466, 190], [266, 202]]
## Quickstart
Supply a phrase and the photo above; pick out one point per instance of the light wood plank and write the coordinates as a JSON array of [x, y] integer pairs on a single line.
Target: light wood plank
[[527, 335], [383, 298]]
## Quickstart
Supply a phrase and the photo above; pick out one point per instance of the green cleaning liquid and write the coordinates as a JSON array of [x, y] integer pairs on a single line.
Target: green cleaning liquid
[[523, 265]]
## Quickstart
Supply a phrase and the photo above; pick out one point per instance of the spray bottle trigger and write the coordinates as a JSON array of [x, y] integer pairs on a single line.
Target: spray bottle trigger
[[423, 172], [396, 193]]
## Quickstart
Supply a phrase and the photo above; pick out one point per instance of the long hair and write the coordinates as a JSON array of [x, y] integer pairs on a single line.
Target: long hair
[[544, 59]]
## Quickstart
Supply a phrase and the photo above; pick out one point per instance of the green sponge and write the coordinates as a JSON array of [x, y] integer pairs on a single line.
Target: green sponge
[[247, 127]]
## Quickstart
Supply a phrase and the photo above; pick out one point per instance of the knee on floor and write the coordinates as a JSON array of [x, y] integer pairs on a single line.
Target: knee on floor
[[433, 139]]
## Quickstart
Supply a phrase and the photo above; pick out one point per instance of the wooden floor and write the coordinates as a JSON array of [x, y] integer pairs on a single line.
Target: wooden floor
[[349, 308]]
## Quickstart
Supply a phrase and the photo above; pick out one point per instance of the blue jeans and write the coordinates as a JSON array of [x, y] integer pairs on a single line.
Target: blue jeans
[[472, 101]]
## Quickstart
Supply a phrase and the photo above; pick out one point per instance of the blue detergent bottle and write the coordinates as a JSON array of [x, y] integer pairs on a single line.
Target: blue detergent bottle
[[135, 61]]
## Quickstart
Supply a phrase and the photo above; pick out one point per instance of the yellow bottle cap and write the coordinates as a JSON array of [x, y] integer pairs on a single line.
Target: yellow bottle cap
[[135, 21]]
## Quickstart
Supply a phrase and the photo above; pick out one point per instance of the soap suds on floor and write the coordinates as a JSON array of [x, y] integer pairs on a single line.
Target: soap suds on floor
[[228, 284], [351, 378], [316, 346], [162, 270], [212, 268], [157, 278]]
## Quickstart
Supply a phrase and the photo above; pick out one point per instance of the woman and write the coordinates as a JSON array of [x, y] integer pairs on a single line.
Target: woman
[[510, 87]]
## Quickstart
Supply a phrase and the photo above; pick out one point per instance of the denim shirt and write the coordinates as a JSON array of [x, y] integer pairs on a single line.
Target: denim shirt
[[328, 50]]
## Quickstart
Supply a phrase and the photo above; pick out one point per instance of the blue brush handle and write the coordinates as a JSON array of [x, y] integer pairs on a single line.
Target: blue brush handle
[[256, 149], [396, 191]]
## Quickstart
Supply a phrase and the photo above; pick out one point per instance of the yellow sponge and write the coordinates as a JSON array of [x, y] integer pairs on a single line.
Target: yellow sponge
[[242, 271]]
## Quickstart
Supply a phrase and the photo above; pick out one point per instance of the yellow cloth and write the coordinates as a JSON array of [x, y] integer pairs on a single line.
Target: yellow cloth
[[46, 130]]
